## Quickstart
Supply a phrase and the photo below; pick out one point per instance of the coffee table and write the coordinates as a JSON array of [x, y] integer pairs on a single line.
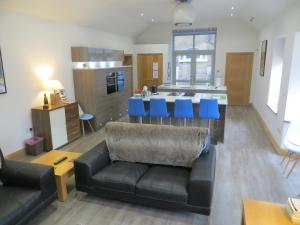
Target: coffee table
[[264, 213], [62, 171]]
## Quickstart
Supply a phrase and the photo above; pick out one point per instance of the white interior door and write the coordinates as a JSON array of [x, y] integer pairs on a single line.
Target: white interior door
[[58, 128]]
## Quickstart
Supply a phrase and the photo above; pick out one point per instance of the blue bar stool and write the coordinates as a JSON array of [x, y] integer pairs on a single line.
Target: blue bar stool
[[209, 109], [184, 109], [158, 108], [136, 108]]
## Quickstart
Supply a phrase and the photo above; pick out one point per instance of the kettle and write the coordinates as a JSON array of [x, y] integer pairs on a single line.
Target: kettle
[[154, 89]]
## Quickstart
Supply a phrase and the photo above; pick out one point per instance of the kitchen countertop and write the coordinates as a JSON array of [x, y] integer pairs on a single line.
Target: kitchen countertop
[[222, 98], [192, 88]]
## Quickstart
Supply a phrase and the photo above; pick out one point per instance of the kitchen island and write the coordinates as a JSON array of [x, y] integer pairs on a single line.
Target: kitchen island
[[217, 128], [192, 88]]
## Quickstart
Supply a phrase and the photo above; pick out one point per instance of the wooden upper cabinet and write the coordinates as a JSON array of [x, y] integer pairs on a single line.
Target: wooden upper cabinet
[[238, 77], [85, 54]]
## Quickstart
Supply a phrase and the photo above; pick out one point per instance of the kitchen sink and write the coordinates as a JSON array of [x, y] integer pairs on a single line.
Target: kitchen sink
[[189, 94], [175, 94]]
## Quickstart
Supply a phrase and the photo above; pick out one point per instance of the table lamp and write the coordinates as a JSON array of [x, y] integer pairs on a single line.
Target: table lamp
[[55, 86]]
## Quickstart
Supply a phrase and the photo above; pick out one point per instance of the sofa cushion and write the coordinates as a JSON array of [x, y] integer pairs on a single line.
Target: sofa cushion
[[120, 176], [165, 183], [16, 202]]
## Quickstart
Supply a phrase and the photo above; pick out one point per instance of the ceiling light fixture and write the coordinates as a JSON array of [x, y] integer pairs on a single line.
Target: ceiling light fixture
[[231, 14], [142, 14], [232, 8], [184, 13], [152, 20]]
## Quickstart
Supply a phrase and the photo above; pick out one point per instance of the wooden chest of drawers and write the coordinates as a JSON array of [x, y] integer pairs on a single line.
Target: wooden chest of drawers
[[58, 125]]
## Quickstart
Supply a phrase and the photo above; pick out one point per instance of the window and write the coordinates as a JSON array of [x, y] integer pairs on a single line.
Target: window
[[194, 56], [276, 74]]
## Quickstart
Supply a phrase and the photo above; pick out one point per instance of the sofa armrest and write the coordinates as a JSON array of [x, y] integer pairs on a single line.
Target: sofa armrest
[[200, 185], [24, 174], [90, 163]]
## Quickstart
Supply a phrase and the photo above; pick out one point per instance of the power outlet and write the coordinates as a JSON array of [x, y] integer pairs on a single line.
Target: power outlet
[[29, 130]]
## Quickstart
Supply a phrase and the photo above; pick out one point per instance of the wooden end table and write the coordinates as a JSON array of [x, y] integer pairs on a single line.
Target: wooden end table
[[264, 213], [62, 171]]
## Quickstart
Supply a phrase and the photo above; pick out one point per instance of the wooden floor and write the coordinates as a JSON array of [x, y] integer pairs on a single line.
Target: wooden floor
[[247, 167]]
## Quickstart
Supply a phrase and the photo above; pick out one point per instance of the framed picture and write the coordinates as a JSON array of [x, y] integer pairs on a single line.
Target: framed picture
[[263, 57], [2, 78]]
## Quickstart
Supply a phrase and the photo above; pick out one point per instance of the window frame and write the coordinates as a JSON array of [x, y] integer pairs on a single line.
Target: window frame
[[194, 53]]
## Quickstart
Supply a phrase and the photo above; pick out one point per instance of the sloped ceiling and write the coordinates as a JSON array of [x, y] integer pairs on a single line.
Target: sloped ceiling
[[123, 16]]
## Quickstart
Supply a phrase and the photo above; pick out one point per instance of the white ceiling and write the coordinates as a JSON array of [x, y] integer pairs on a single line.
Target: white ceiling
[[123, 16]]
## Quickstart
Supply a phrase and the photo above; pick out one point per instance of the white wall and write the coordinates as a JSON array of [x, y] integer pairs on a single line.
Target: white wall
[[26, 43], [232, 36], [150, 48], [285, 26], [292, 104]]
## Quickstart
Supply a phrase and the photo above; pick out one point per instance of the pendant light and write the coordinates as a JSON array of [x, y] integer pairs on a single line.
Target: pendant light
[[184, 13]]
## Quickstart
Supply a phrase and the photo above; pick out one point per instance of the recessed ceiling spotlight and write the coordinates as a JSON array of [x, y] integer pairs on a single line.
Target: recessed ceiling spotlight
[[231, 14], [152, 20], [232, 7], [142, 14], [252, 19]]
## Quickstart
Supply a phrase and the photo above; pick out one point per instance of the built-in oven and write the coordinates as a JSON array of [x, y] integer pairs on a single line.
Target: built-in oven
[[111, 82], [120, 75]]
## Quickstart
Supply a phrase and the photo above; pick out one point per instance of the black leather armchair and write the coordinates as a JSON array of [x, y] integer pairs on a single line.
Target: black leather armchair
[[27, 189], [168, 187]]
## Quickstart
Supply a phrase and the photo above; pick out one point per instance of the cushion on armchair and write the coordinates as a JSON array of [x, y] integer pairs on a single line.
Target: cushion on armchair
[[16, 202], [155, 144]]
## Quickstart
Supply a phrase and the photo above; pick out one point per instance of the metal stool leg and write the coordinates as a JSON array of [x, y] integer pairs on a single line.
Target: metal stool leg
[[185, 122], [140, 120], [82, 126], [161, 120], [288, 162], [285, 157], [293, 167], [91, 126]]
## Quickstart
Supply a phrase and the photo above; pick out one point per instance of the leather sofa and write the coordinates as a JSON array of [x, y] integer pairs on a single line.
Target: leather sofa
[[26, 189], [174, 188]]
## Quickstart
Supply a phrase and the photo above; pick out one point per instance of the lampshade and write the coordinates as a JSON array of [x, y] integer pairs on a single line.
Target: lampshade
[[184, 14], [53, 85]]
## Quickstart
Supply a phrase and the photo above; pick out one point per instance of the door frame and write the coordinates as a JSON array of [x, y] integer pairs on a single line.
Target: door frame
[[138, 66], [251, 72]]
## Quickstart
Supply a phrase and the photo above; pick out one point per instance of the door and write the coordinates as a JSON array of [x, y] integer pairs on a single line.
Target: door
[[150, 69], [238, 77]]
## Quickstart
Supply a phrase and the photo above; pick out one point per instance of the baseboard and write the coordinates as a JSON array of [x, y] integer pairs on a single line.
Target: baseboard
[[19, 154], [277, 147]]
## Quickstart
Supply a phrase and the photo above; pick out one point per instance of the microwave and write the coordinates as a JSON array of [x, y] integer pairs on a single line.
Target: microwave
[[115, 82]]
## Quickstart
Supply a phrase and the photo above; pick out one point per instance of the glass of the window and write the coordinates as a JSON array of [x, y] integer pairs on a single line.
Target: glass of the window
[[204, 67], [182, 43], [205, 42], [183, 67]]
